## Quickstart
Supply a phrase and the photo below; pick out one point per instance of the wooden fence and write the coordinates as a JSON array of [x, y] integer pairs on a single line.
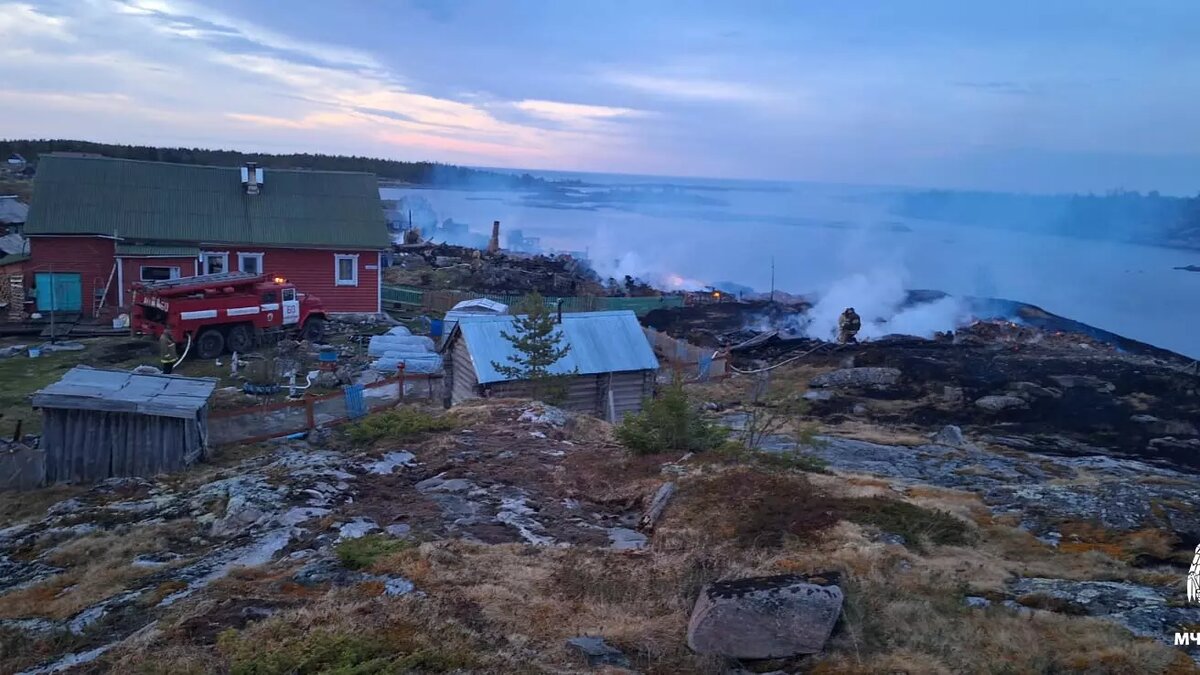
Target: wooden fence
[[284, 418], [695, 362]]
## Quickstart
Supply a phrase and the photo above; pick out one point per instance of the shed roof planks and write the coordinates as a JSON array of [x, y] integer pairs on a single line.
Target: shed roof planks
[[84, 388]]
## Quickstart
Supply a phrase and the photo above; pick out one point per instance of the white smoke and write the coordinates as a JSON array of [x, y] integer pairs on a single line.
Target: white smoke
[[631, 264], [878, 297]]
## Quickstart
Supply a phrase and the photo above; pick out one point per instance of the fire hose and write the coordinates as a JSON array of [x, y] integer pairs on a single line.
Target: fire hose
[[186, 349], [781, 363]]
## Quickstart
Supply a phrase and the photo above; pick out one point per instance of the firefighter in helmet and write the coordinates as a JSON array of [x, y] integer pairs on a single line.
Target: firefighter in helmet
[[848, 326], [166, 353]]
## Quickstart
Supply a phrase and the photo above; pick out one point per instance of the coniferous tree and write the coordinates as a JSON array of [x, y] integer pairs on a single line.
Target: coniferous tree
[[537, 345]]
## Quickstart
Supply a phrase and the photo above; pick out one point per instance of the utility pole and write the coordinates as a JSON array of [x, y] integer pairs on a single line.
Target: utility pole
[[53, 304], [772, 280]]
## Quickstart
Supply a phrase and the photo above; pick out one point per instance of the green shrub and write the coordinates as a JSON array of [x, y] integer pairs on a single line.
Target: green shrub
[[398, 424], [669, 422], [916, 524], [358, 553], [792, 461]]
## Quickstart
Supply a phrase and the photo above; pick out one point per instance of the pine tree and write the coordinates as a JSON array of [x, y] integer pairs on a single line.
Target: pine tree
[[537, 343]]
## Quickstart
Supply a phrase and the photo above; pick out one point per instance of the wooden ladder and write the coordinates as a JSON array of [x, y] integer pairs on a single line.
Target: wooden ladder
[[98, 302]]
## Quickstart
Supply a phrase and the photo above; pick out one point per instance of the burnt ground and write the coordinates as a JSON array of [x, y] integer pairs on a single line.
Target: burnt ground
[[1081, 390], [1094, 400]]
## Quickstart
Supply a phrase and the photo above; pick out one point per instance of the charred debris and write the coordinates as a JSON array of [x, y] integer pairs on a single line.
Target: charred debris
[[760, 330], [447, 266]]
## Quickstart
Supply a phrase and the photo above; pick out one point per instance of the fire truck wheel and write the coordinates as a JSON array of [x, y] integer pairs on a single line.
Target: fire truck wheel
[[240, 339], [210, 345], [314, 329]]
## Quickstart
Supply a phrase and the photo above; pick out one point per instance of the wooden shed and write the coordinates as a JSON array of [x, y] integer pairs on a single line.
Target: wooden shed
[[98, 424], [611, 365]]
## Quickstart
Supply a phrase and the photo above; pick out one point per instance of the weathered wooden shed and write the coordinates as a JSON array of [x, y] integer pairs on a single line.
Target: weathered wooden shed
[[611, 365], [98, 424]]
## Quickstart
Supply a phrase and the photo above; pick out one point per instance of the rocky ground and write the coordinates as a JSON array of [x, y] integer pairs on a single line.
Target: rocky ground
[[957, 507]]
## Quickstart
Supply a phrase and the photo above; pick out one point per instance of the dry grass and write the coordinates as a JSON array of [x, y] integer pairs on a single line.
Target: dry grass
[[875, 433], [900, 628], [96, 567], [509, 608], [17, 505], [754, 508]]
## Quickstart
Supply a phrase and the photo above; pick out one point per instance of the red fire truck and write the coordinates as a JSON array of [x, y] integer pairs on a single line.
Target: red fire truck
[[232, 311]]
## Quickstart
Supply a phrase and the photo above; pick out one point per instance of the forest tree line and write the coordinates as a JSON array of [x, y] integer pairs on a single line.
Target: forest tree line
[[1119, 215], [420, 173]]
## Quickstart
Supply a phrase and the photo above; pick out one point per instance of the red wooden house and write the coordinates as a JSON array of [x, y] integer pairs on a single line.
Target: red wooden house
[[98, 225]]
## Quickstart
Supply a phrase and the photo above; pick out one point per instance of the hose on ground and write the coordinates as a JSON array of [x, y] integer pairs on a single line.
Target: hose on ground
[[781, 363]]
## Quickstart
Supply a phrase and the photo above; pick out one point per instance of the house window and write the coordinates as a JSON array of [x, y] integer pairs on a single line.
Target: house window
[[250, 262], [156, 273], [214, 263], [345, 270]]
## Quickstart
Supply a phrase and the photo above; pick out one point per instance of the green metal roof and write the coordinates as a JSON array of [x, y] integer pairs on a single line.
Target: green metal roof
[[14, 258], [155, 250], [157, 201]]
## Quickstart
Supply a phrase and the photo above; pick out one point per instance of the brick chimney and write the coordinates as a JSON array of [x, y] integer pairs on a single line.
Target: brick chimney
[[494, 243]]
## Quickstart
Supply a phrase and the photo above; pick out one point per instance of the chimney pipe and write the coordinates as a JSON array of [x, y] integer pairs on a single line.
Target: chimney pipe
[[251, 177], [494, 242]]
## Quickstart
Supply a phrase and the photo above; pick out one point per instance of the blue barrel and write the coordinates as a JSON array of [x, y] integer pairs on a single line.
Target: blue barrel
[[327, 356], [435, 328]]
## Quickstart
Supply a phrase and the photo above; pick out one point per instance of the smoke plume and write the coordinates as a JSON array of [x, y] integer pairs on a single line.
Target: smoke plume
[[880, 299]]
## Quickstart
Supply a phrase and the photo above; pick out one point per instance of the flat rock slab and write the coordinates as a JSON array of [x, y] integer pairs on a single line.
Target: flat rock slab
[[849, 378], [998, 403], [1143, 610], [764, 617], [598, 652]]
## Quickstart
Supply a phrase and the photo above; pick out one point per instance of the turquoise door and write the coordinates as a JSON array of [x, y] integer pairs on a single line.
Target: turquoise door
[[61, 291]]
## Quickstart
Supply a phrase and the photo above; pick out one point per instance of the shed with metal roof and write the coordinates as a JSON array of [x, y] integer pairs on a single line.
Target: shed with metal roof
[[12, 211], [98, 424], [608, 371]]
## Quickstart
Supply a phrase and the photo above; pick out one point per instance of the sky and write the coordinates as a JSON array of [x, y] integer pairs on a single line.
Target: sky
[[1046, 96]]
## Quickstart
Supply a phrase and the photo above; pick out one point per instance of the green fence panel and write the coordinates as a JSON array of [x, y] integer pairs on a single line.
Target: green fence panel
[[403, 295], [406, 295]]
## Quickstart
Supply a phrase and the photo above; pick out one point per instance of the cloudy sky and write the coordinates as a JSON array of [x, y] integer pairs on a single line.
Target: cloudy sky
[[1046, 96]]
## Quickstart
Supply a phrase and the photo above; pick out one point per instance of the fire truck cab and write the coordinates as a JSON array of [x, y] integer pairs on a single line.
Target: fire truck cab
[[233, 311]]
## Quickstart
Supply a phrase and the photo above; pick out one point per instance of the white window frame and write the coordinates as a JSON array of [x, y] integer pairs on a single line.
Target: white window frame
[[205, 255], [175, 272], [337, 269], [243, 256]]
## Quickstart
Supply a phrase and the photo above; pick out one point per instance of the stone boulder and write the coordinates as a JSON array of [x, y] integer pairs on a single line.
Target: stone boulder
[[1172, 444], [327, 380], [854, 378], [950, 435], [998, 403], [1086, 381], [1031, 391], [1165, 427], [764, 617]]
